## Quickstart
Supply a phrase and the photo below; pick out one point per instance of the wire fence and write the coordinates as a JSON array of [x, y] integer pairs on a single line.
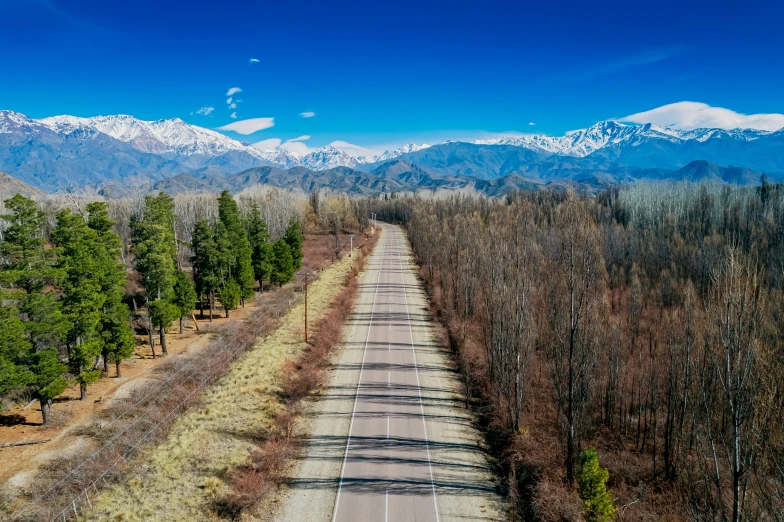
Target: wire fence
[[145, 423]]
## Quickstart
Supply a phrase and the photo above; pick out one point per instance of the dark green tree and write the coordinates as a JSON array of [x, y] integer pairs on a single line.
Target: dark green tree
[[229, 295], [155, 258], [47, 379], [592, 481], [205, 263], [184, 296], [294, 238], [26, 263], [282, 264], [83, 299], [46, 326], [261, 246], [115, 330], [235, 246]]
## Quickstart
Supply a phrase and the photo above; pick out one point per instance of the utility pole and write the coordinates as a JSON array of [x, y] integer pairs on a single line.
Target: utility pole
[[351, 250], [307, 276]]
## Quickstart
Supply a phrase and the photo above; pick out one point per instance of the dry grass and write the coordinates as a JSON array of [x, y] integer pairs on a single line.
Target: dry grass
[[262, 477], [183, 475]]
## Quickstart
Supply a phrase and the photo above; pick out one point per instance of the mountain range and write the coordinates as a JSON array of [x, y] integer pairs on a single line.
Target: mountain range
[[68, 151]]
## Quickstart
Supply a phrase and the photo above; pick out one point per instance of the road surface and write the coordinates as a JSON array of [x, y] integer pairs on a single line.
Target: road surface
[[390, 440]]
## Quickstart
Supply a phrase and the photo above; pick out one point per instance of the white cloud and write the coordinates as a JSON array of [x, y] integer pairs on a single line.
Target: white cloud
[[307, 114], [531, 123], [229, 100], [233, 91], [296, 147], [253, 60], [269, 144], [205, 111], [351, 149], [232, 106], [249, 126], [304, 137], [687, 115], [234, 115]]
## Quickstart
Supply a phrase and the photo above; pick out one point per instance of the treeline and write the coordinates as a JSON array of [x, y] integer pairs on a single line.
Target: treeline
[[646, 322], [64, 299]]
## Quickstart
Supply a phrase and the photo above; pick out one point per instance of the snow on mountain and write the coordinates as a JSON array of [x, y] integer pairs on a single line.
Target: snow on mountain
[[15, 122], [392, 154], [157, 137], [581, 143], [327, 158]]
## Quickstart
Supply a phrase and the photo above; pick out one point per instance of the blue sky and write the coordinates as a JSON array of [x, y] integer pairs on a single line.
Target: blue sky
[[376, 72]]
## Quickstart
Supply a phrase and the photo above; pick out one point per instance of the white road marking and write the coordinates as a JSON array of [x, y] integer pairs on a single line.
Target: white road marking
[[386, 506], [359, 383], [419, 389]]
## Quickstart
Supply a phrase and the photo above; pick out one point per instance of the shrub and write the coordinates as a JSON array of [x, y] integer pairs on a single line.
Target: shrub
[[592, 479]]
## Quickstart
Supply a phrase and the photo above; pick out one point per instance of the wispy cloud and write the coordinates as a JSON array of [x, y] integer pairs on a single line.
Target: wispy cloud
[[234, 115], [304, 137], [352, 149], [248, 126], [253, 60], [233, 91], [307, 114], [205, 111], [688, 115], [268, 144], [531, 123], [232, 106], [625, 63], [296, 147]]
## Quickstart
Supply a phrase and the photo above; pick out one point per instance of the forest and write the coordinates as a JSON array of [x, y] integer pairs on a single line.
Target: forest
[[84, 282], [623, 352]]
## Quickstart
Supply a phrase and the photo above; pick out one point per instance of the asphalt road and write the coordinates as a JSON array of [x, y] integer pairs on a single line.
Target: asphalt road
[[387, 471]]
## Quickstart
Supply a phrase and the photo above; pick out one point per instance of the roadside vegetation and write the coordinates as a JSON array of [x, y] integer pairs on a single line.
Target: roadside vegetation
[[645, 323], [83, 292]]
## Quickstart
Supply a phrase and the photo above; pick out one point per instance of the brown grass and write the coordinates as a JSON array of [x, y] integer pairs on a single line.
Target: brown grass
[[265, 473]]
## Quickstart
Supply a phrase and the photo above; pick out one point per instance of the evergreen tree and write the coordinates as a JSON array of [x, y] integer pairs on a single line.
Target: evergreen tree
[[205, 262], [46, 326], [235, 245], [229, 295], [294, 238], [83, 298], [283, 263], [26, 263], [184, 296], [592, 481], [47, 379], [116, 334], [156, 260], [261, 247]]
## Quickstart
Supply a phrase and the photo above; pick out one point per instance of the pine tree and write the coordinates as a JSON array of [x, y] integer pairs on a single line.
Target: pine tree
[[261, 247], [47, 379], [14, 349], [592, 481], [46, 326], [156, 260], [27, 264], [294, 238], [229, 295], [205, 261], [184, 296], [235, 246], [115, 329], [83, 298], [283, 263]]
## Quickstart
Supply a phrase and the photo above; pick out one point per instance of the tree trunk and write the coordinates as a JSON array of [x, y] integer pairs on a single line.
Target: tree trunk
[[46, 410], [164, 349], [211, 299], [227, 311], [82, 391], [180, 324], [105, 356], [117, 366]]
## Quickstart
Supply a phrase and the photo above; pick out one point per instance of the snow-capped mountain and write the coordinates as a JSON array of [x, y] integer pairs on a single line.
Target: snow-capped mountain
[[583, 142], [327, 157], [157, 137], [392, 154]]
